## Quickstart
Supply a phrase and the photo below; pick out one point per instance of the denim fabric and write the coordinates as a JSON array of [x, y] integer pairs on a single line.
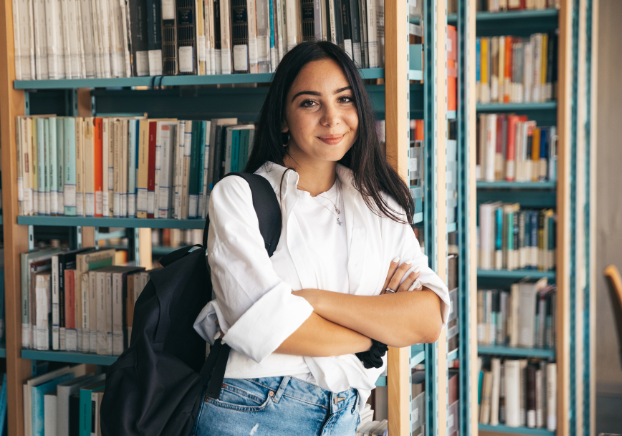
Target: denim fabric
[[277, 406]]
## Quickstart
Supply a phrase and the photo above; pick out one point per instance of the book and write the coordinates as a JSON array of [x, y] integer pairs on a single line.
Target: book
[[154, 37], [64, 392], [38, 402], [186, 36], [85, 406], [169, 37]]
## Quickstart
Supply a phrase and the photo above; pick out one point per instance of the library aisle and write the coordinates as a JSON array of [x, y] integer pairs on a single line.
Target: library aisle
[[115, 124]]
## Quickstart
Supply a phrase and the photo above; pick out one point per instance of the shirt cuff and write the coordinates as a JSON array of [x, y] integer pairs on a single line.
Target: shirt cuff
[[268, 322]]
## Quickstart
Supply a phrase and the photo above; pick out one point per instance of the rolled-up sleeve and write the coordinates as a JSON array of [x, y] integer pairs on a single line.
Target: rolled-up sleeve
[[410, 249], [255, 308]]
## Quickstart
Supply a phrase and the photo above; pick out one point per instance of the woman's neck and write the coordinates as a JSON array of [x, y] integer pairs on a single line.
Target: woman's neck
[[314, 177]]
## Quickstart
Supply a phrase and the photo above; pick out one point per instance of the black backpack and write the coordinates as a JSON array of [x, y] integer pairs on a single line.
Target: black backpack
[[155, 386]]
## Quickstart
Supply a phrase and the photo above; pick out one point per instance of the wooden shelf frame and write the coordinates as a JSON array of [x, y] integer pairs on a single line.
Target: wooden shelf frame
[[574, 274], [13, 99]]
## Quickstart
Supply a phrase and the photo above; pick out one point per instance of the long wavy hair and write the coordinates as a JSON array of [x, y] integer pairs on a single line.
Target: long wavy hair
[[372, 173]]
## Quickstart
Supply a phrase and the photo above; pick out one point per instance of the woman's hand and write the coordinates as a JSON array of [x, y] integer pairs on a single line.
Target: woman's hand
[[396, 274]]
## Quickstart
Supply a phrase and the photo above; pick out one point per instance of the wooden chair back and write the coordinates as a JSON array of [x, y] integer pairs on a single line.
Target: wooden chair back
[[615, 291]]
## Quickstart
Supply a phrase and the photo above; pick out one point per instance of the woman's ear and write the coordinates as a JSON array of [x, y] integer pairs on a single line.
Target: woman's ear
[[284, 134]]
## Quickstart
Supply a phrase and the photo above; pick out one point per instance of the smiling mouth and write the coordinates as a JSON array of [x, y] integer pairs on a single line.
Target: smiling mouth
[[332, 140]]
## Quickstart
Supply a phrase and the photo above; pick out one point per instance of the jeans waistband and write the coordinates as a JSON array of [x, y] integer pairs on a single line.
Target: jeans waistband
[[307, 392]]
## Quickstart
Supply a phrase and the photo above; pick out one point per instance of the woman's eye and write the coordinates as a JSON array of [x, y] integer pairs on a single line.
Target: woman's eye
[[308, 103], [346, 99]]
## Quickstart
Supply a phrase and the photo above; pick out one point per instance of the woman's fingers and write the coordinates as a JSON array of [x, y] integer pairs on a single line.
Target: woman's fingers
[[399, 274], [392, 268], [410, 281]]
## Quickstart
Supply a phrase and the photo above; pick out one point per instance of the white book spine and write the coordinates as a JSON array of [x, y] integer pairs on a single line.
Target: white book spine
[[291, 8], [551, 396], [88, 37], [158, 170], [102, 345], [108, 303], [179, 167], [53, 44], [496, 388], [40, 30], [80, 30], [105, 37], [86, 332], [25, 39], [164, 200], [512, 393], [17, 46], [225, 40], [125, 34], [117, 314], [372, 34], [203, 199], [92, 308], [43, 297]]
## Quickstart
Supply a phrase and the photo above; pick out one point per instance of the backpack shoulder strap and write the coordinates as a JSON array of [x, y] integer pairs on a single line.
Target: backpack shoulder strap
[[267, 208]]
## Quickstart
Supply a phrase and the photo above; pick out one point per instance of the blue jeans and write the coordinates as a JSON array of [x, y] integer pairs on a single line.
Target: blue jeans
[[277, 406]]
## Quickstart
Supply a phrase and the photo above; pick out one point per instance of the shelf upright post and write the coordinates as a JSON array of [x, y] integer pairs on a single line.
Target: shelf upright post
[[589, 410], [397, 141], [15, 237], [564, 192], [466, 218], [435, 213]]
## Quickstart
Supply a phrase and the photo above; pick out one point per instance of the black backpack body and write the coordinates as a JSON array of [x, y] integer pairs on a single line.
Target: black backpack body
[[155, 387]]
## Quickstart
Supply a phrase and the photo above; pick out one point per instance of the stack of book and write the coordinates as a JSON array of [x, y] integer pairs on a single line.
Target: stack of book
[[518, 393], [125, 167], [525, 316], [176, 237], [63, 402], [101, 39], [511, 69], [367, 426], [513, 238], [78, 300], [514, 149]]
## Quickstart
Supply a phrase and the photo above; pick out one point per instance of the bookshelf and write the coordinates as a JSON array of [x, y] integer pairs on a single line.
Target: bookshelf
[[569, 195], [395, 100]]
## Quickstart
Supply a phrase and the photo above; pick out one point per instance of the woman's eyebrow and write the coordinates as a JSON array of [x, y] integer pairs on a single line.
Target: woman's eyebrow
[[319, 94]]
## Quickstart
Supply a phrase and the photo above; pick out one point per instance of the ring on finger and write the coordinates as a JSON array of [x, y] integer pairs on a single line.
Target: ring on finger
[[390, 290]]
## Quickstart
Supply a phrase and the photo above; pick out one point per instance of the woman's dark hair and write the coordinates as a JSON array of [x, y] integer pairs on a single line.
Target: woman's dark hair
[[372, 173]]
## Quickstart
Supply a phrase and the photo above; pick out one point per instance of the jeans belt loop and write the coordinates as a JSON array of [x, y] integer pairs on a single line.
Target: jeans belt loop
[[281, 389]]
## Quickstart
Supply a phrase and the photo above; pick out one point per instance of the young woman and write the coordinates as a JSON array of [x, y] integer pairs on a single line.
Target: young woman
[[299, 322]]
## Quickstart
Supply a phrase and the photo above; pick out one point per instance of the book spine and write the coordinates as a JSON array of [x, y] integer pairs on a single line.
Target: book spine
[[139, 37], [355, 26], [179, 165], [194, 169], [169, 38], [102, 346], [118, 280], [143, 170], [116, 174], [186, 169], [70, 311], [55, 305], [151, 169], [206, 163], [92, 310], [217, 51], [225, 34], [167, 131], [346, 27], [239, 35], [154, 37], [133, 145], [307, 17], [52, 158], [200, 29], [97, 169]]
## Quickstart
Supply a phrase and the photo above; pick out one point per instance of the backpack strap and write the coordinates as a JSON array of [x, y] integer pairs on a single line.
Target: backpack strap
[[269, 215], [267, 208]]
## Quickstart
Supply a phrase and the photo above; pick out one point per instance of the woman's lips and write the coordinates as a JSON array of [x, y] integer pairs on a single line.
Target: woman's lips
[[332, 140]]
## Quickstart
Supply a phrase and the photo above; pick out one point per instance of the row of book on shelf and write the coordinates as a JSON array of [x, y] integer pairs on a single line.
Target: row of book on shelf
[[525, 316], [513, 148], [101, 39], [125, 167], [78, 300], [509, 5], [513, 238], [512, 69], [517, 392]]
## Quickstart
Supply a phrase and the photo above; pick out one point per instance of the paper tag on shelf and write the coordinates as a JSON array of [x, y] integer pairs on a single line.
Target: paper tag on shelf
[[168, 9]]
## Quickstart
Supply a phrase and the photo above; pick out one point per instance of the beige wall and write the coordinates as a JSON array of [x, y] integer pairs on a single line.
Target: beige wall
[[608, 187]]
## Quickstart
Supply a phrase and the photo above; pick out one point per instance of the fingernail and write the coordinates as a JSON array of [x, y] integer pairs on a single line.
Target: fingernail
[[417, 269], [396, 260], [415, 285], [408, 262]]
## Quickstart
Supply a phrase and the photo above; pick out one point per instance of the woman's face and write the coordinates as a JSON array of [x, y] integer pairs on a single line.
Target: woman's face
[[320, 113]]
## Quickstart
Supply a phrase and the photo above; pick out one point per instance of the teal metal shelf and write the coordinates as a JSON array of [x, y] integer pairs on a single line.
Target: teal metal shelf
[[453, 355], [382, 381], [2, 351], [111, 222], [549, 184], [516, 430], [124, 82], [69, 357], [417, 359], [508, 107], [515, 352], [509, 15], [514, 274]]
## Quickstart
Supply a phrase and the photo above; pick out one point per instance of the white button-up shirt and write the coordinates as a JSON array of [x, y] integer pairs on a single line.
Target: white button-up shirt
[[253, 302]]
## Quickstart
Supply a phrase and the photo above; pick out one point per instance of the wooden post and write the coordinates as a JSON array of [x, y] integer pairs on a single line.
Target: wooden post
[[397, 127], [15, 237], [564, 117], [472, 144]]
